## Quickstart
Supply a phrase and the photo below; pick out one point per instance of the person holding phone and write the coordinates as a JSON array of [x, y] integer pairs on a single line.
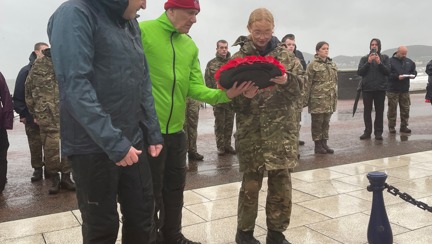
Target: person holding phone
[[374, 69]]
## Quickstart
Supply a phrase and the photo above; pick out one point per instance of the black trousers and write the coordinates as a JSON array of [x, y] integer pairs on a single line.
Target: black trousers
[[4, 145], [100, 184], [376, 99], [169, 178]]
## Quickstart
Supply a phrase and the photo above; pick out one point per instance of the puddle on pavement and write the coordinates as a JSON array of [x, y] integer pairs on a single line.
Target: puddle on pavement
[[408, 137]]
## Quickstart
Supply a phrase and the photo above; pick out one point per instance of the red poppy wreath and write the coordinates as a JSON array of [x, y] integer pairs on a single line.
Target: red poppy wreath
[[258, 69]]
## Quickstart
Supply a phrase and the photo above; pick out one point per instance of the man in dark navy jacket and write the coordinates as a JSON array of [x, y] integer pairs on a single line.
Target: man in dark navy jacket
[[20, 106], [402, 70]]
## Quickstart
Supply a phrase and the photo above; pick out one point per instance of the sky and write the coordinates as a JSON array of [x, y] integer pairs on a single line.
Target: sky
[[346, 25]]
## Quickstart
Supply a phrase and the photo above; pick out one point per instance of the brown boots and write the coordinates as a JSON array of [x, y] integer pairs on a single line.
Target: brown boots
[[322, 148]]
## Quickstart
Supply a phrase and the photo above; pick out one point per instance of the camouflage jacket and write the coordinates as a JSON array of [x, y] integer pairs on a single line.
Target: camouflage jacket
[[266, 135], [322, 86], [211, 68], [42, 94]]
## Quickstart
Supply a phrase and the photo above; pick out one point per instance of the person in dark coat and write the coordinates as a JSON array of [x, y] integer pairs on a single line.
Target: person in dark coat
[[20, 107], [428, 96], [374, 69], [402, 70], [105, 95], [6, 123]]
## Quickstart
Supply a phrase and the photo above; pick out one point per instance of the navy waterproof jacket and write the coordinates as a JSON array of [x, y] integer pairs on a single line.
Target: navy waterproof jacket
[[20, 105], [429, 85], [404, 66], [103, 76]]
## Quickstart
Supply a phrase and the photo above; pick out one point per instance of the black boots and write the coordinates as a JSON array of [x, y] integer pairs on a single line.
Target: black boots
[[405, 130], [324, 145], [181, 239], [56, 183], [37, 175], [195, 156], [245, 237], [365, 136], [322, 148], [319, 149], [66, 182], [276, 237], [230, 150]]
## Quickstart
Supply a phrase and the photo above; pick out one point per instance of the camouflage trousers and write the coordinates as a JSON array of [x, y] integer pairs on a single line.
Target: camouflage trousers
[[320, 126], [278, 203], [404, 101], [298, 124], [223, 128], [191, 124], [35, 144], [51, 149]]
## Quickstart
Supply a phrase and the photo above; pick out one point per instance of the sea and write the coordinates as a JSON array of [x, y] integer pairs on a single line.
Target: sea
[[417, 84]]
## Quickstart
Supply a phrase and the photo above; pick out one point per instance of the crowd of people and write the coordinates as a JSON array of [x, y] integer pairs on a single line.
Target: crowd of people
[[124, 98]]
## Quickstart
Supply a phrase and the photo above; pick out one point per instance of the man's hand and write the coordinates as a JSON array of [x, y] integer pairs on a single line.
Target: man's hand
[[154, 150], [377, 59], [130, 158], [371, 57], [280, 79], [23, 120], [237, 90]]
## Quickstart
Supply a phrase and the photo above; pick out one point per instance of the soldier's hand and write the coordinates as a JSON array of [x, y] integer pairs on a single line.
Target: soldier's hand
[[154, 150], [237, 90], [280, 79], [251, 92], [35, 121], [130, 158], [23, 120]]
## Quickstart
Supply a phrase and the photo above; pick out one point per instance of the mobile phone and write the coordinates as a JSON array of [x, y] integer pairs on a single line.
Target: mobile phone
[[373, 51]]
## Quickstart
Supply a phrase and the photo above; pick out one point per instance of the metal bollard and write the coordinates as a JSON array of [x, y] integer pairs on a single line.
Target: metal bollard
[[379, 229]]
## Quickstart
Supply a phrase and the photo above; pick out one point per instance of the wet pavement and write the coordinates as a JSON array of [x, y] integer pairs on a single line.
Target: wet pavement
[[23, 199]]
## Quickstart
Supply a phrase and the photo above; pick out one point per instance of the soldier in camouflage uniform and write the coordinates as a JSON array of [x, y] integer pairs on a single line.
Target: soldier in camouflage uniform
[[20, 106], [290, 46], [223, 113], [191, 128], [267, 134], [322, 90], [398, 89], [42, 98]]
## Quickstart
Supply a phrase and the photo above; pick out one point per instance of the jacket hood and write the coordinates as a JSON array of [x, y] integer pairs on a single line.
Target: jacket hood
[[32, 57], [242, 40], [318, 59], [115, 7], [47, 52], [166, 23], [273, 43], [379, 44]]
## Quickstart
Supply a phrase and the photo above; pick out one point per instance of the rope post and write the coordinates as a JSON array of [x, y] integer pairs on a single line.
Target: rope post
[[379, 229]]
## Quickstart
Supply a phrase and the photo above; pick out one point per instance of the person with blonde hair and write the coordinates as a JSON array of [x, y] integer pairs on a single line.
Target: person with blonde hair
[[266, 137]]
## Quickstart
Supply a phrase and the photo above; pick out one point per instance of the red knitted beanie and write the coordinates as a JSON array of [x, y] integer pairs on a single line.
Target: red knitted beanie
[[188, 4]]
